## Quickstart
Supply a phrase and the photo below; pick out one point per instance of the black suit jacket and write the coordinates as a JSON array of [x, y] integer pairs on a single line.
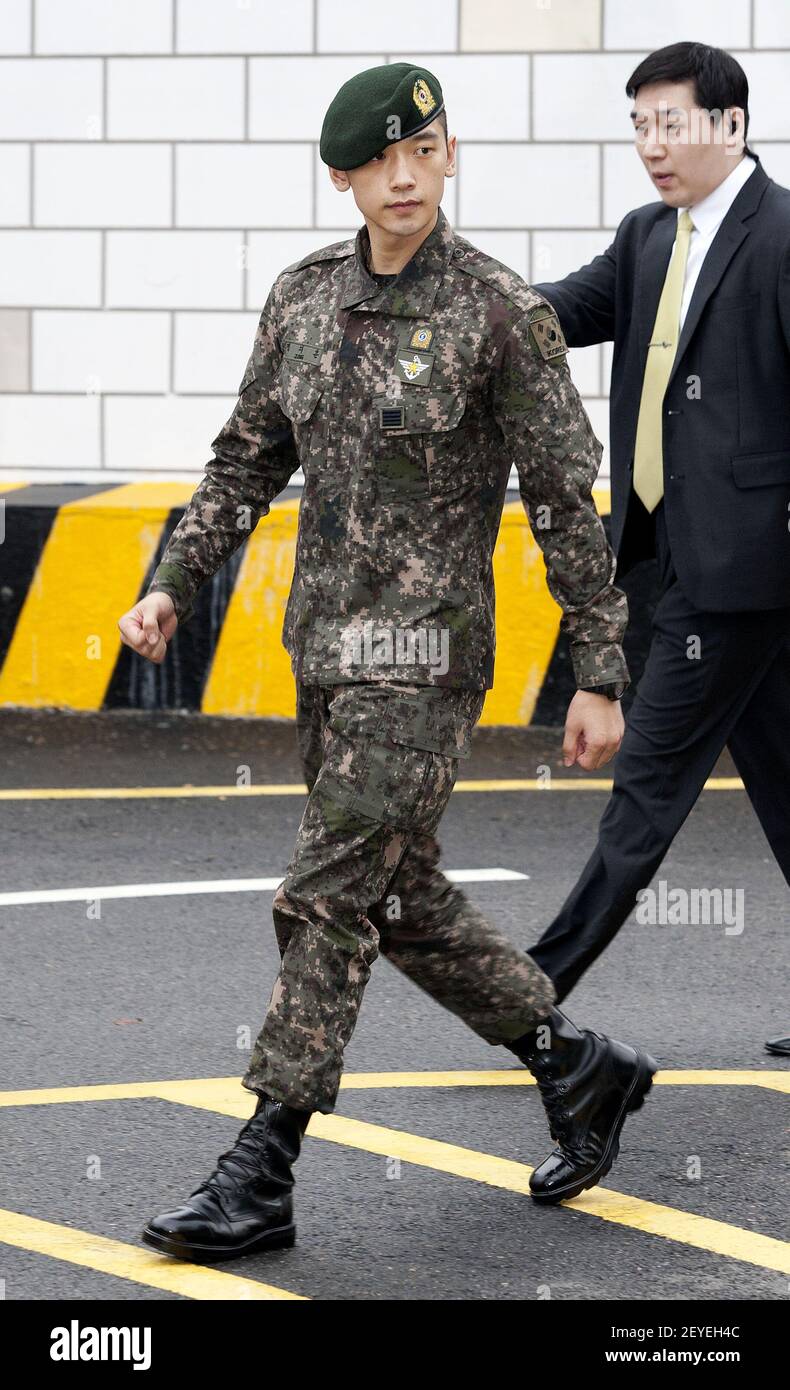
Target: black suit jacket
[[726, 421]]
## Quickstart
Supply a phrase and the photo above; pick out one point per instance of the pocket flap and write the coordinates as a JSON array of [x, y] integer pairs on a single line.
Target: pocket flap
[[761, 470], [440, 720], [429, 412], [248, 378], [298, 393]]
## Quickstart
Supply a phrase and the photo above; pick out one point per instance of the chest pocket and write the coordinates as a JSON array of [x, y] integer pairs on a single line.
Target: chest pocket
[[298, 393], [423, 445]]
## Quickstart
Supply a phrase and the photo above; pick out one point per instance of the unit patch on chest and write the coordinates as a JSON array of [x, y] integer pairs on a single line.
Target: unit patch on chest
[[414, 367], [421, 338]]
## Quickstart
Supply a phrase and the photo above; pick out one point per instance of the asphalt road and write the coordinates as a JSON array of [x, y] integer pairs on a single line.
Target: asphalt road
[[169, 988]]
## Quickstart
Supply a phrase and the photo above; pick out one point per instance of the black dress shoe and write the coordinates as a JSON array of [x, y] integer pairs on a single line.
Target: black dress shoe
[[589, 1084], [780, 1047], [246, 1204]]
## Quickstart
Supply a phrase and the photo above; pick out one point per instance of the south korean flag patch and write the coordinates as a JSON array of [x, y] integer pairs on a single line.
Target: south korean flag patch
[[548, 336]]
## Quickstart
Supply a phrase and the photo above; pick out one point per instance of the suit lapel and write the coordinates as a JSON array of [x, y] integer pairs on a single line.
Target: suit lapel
[[731, 233], [721, 251], [655, 254]]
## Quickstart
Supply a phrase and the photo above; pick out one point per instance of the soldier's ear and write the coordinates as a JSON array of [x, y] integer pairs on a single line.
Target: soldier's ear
[[340, 179]]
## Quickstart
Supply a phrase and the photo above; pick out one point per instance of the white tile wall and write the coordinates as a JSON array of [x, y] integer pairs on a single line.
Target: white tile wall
[[556, 254], [51, 98], [175, 270], [51, 268], [208, 349], [102, 185], [288, 96], [14, 184], [626, 183], [518, 185], [356, 26], [175, 98], [768, 75], [530, 27], [244, 26], [93, 350], [244, 185], [582, 96], [771, 24], [171, 432], [159, 167], [15, 29], [41, 431], [96, 26], [633, 24]]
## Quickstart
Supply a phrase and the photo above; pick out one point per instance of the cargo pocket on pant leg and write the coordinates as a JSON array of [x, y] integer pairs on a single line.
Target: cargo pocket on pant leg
[[439, 723], [394, 752]]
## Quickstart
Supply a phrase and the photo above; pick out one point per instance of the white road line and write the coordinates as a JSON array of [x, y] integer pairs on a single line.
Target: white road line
[[209, 885]]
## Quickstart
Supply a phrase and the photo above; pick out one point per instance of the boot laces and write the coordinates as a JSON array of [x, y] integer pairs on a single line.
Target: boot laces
[[554, 1094], [242, 1161], [554, 1105]]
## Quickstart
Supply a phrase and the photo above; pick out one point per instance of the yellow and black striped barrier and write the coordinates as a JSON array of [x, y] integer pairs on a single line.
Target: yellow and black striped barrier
[[74, 557]]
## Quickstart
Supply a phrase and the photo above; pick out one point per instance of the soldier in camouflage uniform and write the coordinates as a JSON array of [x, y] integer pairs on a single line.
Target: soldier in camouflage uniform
[[405, 397]]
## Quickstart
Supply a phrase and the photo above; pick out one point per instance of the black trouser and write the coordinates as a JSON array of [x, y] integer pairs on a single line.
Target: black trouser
[[686, 709]]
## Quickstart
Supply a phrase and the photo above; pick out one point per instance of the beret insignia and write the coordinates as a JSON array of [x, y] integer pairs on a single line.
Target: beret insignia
[[422, 97]]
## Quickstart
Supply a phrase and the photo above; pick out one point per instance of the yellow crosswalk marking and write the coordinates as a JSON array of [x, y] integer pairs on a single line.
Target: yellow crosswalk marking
[[141, 1266], [494, 784], [225, 1095], [717, 1237]]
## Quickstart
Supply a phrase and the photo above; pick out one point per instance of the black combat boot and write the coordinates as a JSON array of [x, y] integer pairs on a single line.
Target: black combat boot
[[589, 1084], [246, 1204]]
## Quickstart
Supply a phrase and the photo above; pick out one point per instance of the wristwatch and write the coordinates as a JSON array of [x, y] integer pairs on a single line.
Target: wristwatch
[[615, 690]]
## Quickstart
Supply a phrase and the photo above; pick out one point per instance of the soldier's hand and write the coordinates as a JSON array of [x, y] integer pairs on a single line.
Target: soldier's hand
[[148, 627], [594, 730]]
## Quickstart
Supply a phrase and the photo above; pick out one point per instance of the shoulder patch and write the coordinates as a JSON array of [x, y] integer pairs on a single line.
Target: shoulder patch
[[336, 251], [547, 334]]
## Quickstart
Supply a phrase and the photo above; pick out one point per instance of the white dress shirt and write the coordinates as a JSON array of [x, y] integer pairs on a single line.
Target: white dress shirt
[[707, 217]]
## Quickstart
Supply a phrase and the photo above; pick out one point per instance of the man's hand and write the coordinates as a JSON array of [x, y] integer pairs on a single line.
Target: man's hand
[[148, 627], [593, 730]]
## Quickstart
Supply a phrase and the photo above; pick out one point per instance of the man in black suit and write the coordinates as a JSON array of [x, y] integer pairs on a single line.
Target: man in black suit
[[695, 293]]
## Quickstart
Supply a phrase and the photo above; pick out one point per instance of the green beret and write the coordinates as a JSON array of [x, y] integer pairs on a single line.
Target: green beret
[[360, 122]]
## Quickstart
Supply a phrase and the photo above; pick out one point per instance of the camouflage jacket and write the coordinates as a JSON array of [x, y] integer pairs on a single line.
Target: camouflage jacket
[[405, 404]]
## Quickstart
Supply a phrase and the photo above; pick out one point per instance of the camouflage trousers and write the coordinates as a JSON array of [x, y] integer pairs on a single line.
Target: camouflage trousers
[[380, 761]]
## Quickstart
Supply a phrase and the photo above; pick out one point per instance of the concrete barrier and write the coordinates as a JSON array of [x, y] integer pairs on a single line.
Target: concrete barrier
[[74, 557]]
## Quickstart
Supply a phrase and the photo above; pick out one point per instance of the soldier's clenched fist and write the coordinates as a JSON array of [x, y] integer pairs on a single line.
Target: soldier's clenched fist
[[149, 626]]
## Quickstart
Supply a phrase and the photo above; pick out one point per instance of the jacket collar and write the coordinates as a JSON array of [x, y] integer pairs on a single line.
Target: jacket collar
[[708, 214], [414, 290], [658, 249]]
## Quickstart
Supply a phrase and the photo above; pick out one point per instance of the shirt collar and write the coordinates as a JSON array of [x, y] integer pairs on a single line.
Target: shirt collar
[[709, 213], [413, 291]]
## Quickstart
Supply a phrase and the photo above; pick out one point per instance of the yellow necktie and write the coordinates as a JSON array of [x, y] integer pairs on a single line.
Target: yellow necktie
[[648, 454]]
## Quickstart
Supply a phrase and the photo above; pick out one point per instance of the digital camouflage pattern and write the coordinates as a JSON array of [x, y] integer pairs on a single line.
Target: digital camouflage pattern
[[405, 404], [380, 763]]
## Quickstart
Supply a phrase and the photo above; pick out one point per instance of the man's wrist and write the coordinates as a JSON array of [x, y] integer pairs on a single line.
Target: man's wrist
[[169, 579], [613, 690]]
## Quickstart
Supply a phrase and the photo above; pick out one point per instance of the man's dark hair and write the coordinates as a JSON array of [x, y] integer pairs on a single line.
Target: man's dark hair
[[719, 80], [442, 119]]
